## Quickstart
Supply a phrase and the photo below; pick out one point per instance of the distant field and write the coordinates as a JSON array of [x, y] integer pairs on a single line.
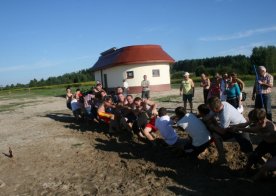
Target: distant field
[[55, 90], [59, 91], [197, 84]]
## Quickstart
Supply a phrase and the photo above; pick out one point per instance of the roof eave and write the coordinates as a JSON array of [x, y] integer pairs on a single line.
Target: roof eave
[[132, 63]]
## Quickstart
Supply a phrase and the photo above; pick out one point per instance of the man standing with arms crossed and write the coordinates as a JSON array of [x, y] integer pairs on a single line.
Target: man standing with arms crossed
[[145, 88]]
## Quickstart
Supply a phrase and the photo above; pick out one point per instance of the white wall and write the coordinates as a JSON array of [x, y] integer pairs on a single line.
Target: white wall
[[115, 75]]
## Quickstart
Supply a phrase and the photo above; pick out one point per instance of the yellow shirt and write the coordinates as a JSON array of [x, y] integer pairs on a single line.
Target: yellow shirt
[[187, 86]]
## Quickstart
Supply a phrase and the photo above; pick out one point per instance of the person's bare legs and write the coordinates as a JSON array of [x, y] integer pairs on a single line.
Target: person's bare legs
[[185, 104], [191, 106], [148, 135]]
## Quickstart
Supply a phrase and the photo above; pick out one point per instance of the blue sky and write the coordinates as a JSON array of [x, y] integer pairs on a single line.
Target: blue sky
[[42, 38]]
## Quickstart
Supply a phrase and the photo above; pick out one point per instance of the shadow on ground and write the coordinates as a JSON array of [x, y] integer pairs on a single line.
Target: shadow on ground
[[191, 176]]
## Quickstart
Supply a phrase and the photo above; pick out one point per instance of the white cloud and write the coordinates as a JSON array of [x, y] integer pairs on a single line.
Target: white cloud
[[243, 49], [239, 35]]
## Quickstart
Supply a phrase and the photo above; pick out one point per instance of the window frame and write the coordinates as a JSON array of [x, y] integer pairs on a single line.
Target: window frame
[[156, 73]]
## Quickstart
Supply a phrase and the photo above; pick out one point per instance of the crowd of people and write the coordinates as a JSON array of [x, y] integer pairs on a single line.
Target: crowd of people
[[218, 119]]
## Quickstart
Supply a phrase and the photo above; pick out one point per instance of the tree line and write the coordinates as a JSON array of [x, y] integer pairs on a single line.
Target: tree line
[[84, 75], [240, 64]]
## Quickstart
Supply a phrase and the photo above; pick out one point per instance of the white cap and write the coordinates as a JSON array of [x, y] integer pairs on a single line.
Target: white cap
[[186, 74]]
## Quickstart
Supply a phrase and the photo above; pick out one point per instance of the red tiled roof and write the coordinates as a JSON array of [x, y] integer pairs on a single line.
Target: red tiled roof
[[138, 54]]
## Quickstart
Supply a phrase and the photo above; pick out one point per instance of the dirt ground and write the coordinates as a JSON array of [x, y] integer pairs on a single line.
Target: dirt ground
[[55, 155]]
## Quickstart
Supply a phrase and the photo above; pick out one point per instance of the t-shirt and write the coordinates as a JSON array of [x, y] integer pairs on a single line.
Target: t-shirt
[[268, 79], [145, 85], [195, 128], [75, 105], [164, 125], [125, 85], [229, 116], [233, 91], [187, 86]]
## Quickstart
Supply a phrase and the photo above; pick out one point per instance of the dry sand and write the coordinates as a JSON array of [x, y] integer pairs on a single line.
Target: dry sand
[[54, 155]]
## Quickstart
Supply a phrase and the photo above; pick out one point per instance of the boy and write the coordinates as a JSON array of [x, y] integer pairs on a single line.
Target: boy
[[260, 125]]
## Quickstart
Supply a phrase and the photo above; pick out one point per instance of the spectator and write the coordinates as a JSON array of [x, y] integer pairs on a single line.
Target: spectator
[[215, 90], [187, 87], [263, 89], [145, 88], [233, 92], [238, 81], [125, 87], [223, 85], [205, 84], [69, 96]]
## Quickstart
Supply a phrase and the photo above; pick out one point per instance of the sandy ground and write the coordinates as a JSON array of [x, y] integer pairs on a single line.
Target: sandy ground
[[54, 155]]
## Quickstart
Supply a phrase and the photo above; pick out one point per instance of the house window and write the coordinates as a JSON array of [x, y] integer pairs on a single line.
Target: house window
[[130, 74], [155, 73]]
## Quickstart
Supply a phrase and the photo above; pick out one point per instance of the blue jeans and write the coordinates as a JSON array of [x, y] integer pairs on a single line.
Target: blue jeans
[[264, 101]]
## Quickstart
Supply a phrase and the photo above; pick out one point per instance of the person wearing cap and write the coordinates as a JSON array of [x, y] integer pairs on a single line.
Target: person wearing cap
[[262, 91], [187, 90]]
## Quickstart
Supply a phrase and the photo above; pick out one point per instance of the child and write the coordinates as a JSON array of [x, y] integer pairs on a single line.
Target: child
[[260, 125]]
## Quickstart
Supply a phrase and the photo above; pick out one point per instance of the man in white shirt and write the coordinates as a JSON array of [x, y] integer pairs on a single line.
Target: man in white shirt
[[227, 115], [125, 87], [164, 124], [196, 129]]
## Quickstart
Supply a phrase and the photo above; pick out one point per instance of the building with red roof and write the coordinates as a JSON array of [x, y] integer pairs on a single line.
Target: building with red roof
[[132, 63]]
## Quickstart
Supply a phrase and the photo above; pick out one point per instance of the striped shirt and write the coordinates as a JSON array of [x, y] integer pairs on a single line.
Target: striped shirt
[[268, 79]]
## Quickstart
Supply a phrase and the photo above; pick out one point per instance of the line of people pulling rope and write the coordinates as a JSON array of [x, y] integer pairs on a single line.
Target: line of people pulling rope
[[216, 121]]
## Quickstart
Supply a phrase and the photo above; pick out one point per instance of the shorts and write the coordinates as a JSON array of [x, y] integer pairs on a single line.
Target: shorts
[[106, 117], [151, 124], [153, 128], [188, 97]]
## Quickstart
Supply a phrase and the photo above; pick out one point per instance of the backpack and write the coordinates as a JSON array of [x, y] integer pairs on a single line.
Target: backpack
[[243, 96]]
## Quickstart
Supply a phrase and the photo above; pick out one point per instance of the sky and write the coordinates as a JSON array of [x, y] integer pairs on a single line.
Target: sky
[[44, 38]]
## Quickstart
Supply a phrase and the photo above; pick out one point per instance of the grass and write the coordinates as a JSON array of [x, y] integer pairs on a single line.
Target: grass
[[247, 83], [59, 91], [11, 106], [54, 91]]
